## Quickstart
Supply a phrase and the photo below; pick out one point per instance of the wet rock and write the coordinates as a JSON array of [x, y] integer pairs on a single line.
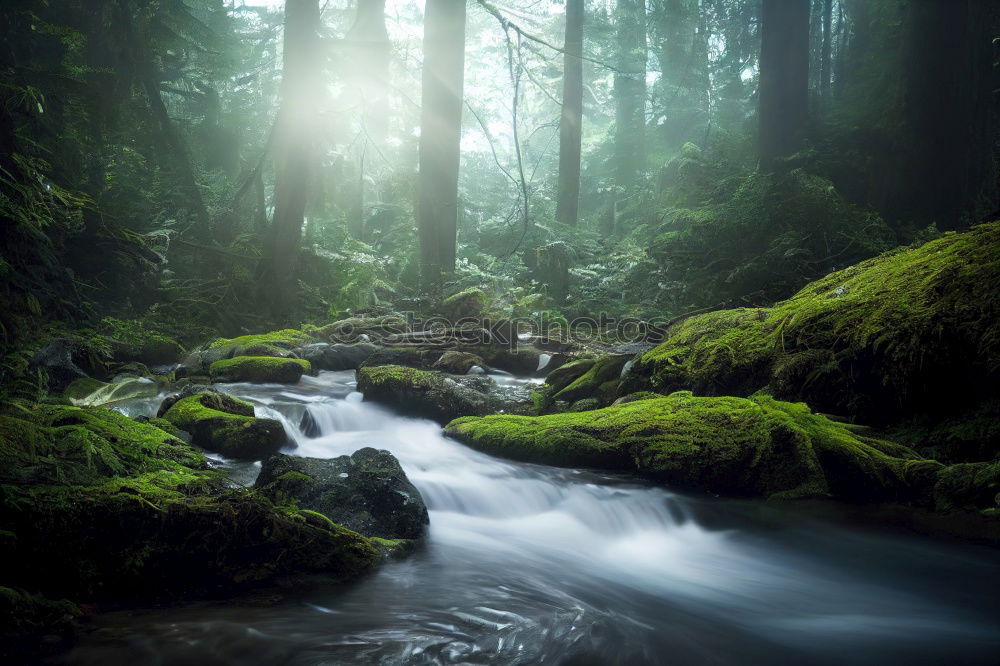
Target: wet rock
[[351, 330], [457, 363], [326, 356], [260, 370], [426, 393], [56, 359], [758, 447], [367, 492], [470, 303], [226, 425]]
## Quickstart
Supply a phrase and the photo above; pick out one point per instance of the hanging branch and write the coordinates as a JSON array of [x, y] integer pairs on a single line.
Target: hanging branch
[[515, 77], [507, 25]]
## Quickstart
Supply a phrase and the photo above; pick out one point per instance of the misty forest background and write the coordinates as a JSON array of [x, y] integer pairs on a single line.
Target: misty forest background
[[207, 167]]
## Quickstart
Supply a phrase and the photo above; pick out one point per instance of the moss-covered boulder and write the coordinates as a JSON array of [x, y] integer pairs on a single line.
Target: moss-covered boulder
[[260, 370], [276, 343], [426, 393], [565, 375], [757, 447], [366, 491], [146, 537], [970, 486], [599, 382], [467, 304], [912, 333], [95, 506], [226, 425], [457, 362]]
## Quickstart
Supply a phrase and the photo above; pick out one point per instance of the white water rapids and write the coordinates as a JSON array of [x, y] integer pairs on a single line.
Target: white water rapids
[[529, 564]]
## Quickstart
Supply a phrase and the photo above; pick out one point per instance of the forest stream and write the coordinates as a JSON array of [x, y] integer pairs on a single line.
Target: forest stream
[[533, 564]]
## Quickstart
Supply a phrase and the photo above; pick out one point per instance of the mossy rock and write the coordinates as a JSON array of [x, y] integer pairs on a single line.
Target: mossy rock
[[970, 486], [132, 540], [756, 447], [914, 332], [71, 445], [366, 491], [468, 304], [565, 375], [260, 370], [599, 382], [136, 514], [457, 362], [282, 342], [427, 393], [225, 425]]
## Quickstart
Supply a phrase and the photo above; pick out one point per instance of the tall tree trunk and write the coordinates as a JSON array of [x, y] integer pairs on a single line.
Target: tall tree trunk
[[295, 155], [571, 123], [948, 84], [440, 136], [783, 107], [370, 49], [826, 52], [630, 93]]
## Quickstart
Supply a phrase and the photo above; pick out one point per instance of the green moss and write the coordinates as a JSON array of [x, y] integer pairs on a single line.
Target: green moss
[[127, 542], [599, 382], [717, 353], [740, 446], [71, 445], [566, 374], [469, 303], [969, 486], [226, 425], [137, 514], [260, 369], [912, 332], [285, 339], [428, 393]]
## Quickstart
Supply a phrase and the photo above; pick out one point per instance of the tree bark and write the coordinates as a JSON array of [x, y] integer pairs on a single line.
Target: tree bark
[[571, 122], [440, 137], [783, 107], [948, 86], [826, 53], [630, 93], [295, 150]]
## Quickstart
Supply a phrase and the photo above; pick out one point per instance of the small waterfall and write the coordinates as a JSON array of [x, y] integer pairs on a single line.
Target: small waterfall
[[543, 361]]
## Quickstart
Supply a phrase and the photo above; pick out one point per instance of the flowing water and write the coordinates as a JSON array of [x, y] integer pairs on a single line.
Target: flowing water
[[529, 564]]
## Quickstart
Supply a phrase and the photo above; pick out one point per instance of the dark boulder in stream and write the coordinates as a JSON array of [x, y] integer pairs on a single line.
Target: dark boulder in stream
[[367, 492]]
